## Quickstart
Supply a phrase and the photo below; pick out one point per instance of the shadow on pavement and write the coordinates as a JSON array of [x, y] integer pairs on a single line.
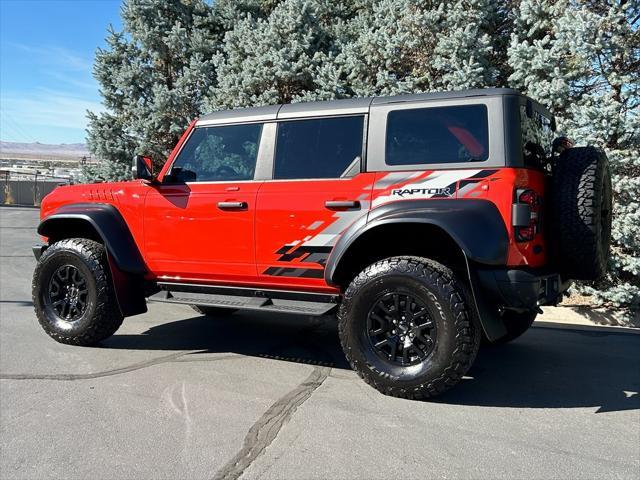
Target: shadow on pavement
[[545, 368], [604, 317], [20, 303], [554, 368], [310, 340]]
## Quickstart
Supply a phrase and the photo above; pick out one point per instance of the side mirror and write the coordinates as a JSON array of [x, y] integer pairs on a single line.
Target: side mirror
[[142, 168]]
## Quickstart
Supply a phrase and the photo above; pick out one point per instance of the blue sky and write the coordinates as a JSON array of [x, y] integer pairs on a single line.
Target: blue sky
[[46, 55]]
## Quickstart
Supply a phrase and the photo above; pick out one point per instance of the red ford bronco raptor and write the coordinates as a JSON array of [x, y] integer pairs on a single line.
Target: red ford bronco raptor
[[426, 221]]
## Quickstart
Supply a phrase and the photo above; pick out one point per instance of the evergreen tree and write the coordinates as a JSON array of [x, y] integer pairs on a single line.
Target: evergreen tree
[[152, 76], [583, 62], [279, 57], [396, 46]]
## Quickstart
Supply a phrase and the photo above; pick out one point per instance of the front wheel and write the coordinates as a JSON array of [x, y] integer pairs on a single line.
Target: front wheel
[[73, 295], [407, 329]]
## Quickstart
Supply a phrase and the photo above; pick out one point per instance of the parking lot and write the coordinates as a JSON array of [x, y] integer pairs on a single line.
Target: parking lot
[[176, 395]]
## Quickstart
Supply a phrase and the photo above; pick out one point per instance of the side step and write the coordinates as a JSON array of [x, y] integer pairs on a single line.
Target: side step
[[284, 301]]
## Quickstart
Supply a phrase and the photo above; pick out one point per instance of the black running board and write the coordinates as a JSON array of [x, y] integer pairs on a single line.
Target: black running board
[[283, 301]]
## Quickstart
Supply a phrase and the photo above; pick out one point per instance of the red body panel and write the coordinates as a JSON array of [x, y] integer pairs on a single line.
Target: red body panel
[[295, 230], [284, 236], [495, 185], [187, 236], [127, 197]]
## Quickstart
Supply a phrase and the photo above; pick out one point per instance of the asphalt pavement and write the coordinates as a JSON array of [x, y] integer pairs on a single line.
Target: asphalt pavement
[[177, 395]]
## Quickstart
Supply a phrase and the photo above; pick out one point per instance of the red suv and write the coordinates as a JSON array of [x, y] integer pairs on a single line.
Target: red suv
[[425, 221]]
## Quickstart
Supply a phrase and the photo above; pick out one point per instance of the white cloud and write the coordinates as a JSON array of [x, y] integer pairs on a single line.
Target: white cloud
[[56, 101], [58, 56], [45, 107], [85, 83]]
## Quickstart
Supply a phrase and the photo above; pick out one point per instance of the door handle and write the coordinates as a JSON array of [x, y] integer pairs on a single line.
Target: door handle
[[342, 204], [232, 205]]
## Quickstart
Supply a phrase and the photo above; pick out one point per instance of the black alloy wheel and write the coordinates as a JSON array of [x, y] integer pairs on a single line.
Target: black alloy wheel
[[67, 293], [407, 327], [400, 329], [73, 293]]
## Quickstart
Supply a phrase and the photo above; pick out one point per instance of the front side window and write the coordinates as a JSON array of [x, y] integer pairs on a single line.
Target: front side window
[[318, 148], [437, 135], [219, 154]]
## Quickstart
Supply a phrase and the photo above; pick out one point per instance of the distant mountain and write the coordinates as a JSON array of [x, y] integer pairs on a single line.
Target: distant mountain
[[70, 151]]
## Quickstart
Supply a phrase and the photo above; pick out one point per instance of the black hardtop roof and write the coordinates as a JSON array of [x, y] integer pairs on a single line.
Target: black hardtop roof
[[335, 107]]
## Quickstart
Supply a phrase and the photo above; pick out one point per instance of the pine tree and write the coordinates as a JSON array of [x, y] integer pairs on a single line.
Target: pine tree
[[152, 76], [278, 57], [583, 62], [396, 46]]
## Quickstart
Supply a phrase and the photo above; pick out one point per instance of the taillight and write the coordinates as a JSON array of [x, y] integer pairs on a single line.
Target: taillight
[[526, 215]]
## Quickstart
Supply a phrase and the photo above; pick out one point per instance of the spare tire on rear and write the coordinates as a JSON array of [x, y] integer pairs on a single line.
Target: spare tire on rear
[[580, 213]]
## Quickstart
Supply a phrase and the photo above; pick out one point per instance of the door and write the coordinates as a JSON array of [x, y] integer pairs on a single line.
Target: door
[[199, 223], [317, 191]]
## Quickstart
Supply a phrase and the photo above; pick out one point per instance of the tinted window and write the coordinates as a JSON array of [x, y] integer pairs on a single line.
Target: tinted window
[[437, 135], [537, 137], [218, 154], [319, 148]]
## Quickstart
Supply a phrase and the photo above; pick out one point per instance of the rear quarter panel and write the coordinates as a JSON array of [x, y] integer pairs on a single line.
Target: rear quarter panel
[[496, 185]]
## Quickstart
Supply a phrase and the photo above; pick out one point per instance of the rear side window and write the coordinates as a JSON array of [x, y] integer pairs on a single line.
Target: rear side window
[[437, 135], [537, 137], [318, 148], [219, 154]]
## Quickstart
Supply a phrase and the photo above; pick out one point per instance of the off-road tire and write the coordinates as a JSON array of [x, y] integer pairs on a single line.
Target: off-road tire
[[101, 317], [458, 331], [580, 210], [212, 311], [516, 324]]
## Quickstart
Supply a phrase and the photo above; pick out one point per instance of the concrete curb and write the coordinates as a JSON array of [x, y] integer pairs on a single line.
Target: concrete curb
[[586, 328], [583, 318], [12, 205]]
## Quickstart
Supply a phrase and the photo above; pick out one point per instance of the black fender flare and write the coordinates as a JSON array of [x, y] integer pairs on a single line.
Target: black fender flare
[[475, 225], [107, 221], [125, 261]]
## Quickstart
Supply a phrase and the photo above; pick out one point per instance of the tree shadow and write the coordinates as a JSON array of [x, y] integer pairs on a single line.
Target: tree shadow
[[545, 368], [601, 316]]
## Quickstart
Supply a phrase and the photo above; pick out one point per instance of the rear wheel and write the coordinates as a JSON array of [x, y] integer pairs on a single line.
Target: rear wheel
[[406, 328], [73, 295]]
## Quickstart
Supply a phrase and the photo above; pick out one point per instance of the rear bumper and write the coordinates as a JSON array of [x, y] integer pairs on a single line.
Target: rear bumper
[[522, 289]]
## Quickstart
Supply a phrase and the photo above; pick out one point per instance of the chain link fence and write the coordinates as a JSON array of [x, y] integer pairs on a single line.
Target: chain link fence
[[27, 189]]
